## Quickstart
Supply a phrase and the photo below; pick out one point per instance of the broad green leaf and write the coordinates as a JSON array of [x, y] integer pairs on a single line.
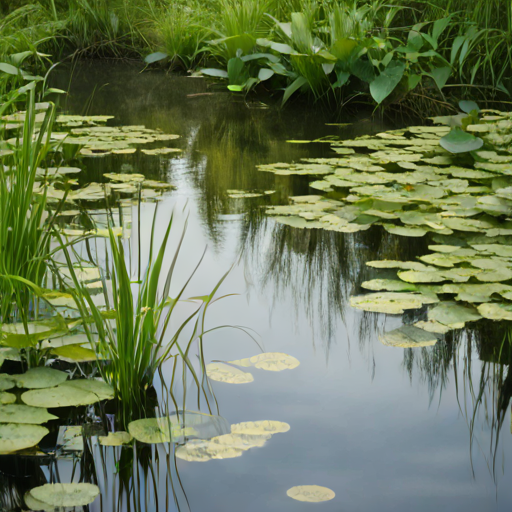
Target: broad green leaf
[[459, 141], [66, 495], [155, 57], [25, 414], [311, 493], [18, 436], [225, 373], [40, 377], [408, 336], [387, 81], [218, 73]]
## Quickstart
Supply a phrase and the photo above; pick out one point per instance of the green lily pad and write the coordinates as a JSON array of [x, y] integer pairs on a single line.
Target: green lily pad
[[390, 285], [115, 439], [7, 398], [225, 373], [310, 493], [41, 377], [459, 141], [66, 495], [75, 353], [392, 303], [16, 436], [453, 315], [496, 311], [408, 336], [16, 413], [270, 361], [6, 382]]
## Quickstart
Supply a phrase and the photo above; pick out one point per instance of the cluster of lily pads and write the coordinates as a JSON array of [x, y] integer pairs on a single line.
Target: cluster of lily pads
[[453, 185], [20, 423]]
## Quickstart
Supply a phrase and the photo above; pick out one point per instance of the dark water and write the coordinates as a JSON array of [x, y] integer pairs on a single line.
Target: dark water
[[386, 429]]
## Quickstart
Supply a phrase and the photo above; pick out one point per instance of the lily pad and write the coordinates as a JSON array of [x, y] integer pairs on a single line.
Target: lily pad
[[408, 336], [6, 382], [496, 311], [222, 372], [40, 377], [271, 361], [392, 303], [459, 141], [16, 413], [311, 493], [66, 495], [261, 427], [7, 398], [390, 285], [453, 314], [115, 439], [16, 436]]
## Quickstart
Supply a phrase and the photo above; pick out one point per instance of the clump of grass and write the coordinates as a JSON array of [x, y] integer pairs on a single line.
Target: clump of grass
[[134, 334], [25, 227]]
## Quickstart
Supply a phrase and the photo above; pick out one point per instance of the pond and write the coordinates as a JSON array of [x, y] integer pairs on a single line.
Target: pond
[[384, 427]]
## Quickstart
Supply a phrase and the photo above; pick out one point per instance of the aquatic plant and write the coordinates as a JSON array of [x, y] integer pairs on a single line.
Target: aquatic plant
[[25, 224], [133, 334]]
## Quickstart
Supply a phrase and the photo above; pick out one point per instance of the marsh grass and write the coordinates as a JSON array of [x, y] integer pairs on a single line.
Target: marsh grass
[[134, 335], [25, 225]]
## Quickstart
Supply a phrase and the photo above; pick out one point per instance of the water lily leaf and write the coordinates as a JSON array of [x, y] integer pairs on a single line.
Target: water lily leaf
[[40, 377], [100, 388], [390, 285], [224, 373], [270, 361], [404, 230], [69, 394], [310, 493], [167, 429], [433, 326], [14, 336], [16, 413], [160, 151], [115, 439], [7, 398], [16, 436], [459, 141], [409, 265], [393, 303], [453, 314], [496, 311], [457, 275], [66, 495], [408, 336], [6, 381], [75, 353]]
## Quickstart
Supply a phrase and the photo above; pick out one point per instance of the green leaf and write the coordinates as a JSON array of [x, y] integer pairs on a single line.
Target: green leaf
[[459, 141], [439, 27], [256, 56], [9, 69], [218, 73], [155, 57], [265, 74], [364, 70], [468, 106], [440, 76], [413, 80], [293, 87], [237, 72], [387, 81]]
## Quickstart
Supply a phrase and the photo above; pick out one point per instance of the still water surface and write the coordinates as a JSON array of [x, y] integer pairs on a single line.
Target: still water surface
[[386, 429]]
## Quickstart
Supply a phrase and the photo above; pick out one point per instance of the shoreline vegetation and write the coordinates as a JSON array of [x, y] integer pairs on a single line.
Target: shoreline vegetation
[[420, 57]]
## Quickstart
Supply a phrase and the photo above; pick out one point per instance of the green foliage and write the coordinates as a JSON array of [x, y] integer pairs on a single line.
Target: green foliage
[[24, 224], [134, 334]]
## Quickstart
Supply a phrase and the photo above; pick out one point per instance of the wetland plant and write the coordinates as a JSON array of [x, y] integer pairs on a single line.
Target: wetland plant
[[132, 338]]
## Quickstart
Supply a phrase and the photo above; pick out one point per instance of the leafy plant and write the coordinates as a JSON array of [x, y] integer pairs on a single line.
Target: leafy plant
[[133, 335]]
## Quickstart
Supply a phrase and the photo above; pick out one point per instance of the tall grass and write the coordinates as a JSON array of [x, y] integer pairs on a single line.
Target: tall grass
[[25, 228], [138, 340]]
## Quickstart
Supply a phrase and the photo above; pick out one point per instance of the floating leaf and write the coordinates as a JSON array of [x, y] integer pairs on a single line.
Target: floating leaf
[[310, 493], [271, 361], [40, 377], [75, 353], [262, 427], [408, 336], [7, 398], [224, 373], [66, 495], [453, 315], [390, 302], [115, 439], [6, 381], [24, 414], [496, 311], [390, 285], [459, 141], [16, 436]]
